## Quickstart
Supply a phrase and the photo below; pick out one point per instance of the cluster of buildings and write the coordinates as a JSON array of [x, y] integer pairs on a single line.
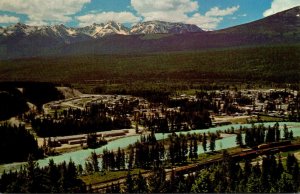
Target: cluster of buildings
[[82, 138]]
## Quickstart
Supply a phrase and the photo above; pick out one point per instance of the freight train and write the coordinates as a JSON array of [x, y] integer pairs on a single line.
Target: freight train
[[274, 144]]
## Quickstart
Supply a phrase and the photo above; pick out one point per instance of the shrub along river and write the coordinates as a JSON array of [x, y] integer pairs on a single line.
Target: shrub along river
[[80, 157]]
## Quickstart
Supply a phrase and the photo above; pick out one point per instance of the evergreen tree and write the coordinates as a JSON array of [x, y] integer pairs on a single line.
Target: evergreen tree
[[80, 169], [296, 176], [129, 183], [291, 135], [248, 138], [239, 139], [157, 182], [212, 144], [95, 162], [285, 132], [54, 175], [247, 168], [141, 184], [191, 151], [89, 168], [204, 142], [253, 184], [118, 159], [195, 150], [285, 184], [184, 150], [277, 134], [290, 161], [203, 183], [279, 169], [122, 160], [131, 157]]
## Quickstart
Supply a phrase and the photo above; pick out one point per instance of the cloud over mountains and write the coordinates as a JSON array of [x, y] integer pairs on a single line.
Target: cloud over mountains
[[281, 5]]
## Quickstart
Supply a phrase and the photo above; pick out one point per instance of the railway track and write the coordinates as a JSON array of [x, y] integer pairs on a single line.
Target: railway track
[[101, 187]]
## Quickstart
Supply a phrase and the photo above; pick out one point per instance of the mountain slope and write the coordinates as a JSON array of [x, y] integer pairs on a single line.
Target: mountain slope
[[284, 22]]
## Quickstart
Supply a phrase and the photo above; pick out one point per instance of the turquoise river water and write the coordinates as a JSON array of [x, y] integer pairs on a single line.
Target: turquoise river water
[[80, 157]]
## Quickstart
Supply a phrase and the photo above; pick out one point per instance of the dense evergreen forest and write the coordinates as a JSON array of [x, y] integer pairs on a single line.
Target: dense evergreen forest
[[12, 103], [271, 176], [15, 95], [54, 178], [16, 144], [277, 64], [41, 93], [227, 176]]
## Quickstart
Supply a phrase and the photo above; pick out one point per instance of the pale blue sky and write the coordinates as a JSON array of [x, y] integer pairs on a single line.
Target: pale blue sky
[[207, 14]]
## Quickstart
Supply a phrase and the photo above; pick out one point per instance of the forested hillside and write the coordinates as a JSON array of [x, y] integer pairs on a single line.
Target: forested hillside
[[270, 63]]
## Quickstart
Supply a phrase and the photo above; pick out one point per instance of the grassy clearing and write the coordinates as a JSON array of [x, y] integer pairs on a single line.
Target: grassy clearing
[[270, 119], [107, 176], [238, 120], [264, 118]]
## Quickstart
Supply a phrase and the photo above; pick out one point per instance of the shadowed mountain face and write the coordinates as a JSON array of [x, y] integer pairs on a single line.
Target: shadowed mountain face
[[283, 23], [24, 41]]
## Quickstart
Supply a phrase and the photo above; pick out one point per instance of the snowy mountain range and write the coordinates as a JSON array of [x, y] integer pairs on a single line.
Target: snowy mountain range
[[23, 41], [97, 30]]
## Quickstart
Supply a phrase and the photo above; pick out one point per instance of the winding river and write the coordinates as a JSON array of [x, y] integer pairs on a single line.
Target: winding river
[[79, 157]]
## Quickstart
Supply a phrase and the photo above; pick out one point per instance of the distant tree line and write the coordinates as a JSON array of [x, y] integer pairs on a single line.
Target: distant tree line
[[71, 122], [148, 152], [256, 135], [188, 115]]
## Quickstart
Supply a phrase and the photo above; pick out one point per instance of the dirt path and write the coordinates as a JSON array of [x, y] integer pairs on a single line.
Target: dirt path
[[297, 155], [69, 92]]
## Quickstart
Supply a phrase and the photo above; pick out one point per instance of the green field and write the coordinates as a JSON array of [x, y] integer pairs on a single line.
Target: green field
[[108, 176]]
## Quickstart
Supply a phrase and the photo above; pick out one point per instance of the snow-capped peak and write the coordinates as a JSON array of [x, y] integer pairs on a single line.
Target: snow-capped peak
[[18, 28], [154, 27], [101, 30]]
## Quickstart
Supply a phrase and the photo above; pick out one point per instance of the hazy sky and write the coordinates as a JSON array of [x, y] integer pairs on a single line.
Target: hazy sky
[[207, 14]]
